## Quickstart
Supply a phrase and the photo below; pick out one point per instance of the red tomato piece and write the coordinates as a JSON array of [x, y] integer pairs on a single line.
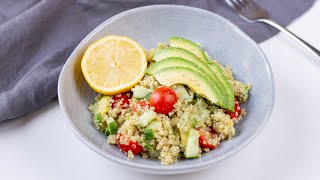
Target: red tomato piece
[[123, 99], [237, 110], [205, 139], [141, 103], [163, 99], [135, 147]]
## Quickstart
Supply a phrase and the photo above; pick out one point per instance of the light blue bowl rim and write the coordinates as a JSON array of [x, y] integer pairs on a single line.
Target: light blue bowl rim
[[167, 168]]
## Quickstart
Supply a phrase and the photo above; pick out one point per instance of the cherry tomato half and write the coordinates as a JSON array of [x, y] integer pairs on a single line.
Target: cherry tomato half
[[237, 110], [205, 139], [141, 103], [123, 99], [135, 147], [163, 99]]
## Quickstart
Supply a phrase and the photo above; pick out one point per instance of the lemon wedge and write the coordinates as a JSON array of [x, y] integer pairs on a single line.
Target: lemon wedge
[[114, 64]]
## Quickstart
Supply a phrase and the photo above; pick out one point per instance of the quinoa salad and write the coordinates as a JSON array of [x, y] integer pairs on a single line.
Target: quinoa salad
[[184, 105]]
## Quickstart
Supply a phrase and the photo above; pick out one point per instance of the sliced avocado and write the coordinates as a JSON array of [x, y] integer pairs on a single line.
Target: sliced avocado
[[180, 62], [194, 80], [189, 46], [227, 86], [173, 62], [194, 48], [182, 53]]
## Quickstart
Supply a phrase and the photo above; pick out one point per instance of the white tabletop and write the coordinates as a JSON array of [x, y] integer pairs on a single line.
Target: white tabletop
[[42, 146]]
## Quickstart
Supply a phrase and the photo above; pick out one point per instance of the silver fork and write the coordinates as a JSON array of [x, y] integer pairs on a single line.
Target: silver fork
[[252, 12]]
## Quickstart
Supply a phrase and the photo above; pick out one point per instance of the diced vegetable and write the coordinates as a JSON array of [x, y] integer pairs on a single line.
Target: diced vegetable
[[99, 109], [154, 125], [134, 147], [123, 99], [146, 118], [163, 99], [106, 132], [149, 134], [201, 105], [181, 92], [140, 92], [183, 138], [112, 125], [205, 139], [148, 146], [141, 103], [148, 96], [103, 105], [194, 122], [99, 117], [237, 110], [192, 147]]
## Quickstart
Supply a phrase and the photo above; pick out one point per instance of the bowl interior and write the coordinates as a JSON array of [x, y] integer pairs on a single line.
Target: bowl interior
[[153, 24]]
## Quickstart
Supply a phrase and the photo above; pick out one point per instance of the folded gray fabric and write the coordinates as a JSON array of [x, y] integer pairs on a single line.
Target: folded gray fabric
[[37, 36]]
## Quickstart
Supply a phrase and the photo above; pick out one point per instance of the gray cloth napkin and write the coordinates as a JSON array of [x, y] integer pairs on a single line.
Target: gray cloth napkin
[[37, 36]]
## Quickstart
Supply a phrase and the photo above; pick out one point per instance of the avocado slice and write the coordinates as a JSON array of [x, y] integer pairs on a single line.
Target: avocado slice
[[182, 53], [189, 46], [194, 48], [194, 80], [227, 86], [173, 62], [179, 62]]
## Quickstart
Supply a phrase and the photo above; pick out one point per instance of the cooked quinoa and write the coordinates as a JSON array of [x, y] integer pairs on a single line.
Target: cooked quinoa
[[166, 144], [190, 111]]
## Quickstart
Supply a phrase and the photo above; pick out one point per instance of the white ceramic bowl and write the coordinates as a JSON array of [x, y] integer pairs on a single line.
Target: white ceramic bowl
[[150, 25]]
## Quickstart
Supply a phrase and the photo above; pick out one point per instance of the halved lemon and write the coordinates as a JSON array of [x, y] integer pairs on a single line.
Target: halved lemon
[[114, 64]]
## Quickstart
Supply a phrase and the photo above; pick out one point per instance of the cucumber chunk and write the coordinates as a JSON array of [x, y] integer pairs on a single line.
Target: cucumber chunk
[[149, 134], [107, 132], [112, 126], [146, 118], [192, 147], [140, 92], [99, 117], [201, 105], [154, 125], [181, 92], [148, 146], [147, 97]]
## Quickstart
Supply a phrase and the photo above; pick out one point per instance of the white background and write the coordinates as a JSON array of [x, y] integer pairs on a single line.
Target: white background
[[41, 146]]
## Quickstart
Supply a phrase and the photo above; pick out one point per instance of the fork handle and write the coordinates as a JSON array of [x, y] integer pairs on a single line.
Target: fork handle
[[293, 36]]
